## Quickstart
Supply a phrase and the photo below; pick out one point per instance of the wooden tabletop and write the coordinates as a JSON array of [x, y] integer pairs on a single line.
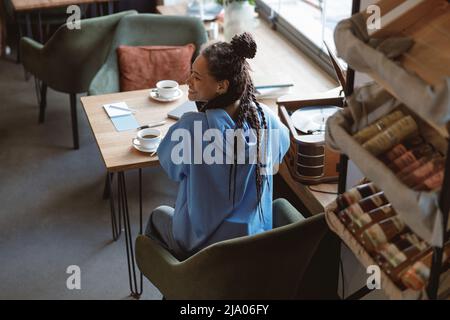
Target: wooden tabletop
[[315, 198], [115, 146], [26, 5]]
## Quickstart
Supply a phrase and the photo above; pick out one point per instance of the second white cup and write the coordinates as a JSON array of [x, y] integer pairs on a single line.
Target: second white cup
[[167, 88], [149, 138]]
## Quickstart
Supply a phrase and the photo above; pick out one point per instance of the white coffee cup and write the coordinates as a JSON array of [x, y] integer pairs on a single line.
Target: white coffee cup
[[149, 138], [167, 89]]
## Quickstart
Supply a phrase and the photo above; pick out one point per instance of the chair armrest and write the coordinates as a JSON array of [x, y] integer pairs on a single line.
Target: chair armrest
[[154, 261], [284, 213], [146, 247], [31, 52]]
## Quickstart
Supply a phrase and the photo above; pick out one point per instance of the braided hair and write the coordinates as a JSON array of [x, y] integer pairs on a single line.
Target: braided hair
[[227, 61]]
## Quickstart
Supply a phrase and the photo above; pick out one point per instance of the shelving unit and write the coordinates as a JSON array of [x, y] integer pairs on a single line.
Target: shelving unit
[[420, 81], [390, 288]]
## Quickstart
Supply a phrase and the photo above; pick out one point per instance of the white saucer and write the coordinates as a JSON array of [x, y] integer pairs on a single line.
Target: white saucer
[[137, 145], [154, 95]]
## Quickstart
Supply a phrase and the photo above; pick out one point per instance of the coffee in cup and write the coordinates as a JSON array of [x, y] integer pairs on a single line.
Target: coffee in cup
[[167, 89], [149, 138]]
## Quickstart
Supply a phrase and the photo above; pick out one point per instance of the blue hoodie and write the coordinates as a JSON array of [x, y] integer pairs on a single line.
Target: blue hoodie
[[204, 211]]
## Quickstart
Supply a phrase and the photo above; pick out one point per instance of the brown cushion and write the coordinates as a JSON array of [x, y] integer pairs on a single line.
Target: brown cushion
[[143, 66]]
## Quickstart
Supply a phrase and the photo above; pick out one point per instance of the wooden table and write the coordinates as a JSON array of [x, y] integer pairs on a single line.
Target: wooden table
[[115, 147], [119, 156], [28, 5]]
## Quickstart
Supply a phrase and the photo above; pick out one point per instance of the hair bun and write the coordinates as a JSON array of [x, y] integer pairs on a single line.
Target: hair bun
[[244, 45]]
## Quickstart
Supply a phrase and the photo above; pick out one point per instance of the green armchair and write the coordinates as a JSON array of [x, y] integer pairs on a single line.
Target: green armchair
[[70, 59], [146, 29], [270, 265]]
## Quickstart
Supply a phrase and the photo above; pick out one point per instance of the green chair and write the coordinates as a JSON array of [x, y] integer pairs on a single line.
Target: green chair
[[146, 29], [70, 59], [270, 265]]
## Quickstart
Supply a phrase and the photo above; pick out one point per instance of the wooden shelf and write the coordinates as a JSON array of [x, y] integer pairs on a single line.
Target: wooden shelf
[[419, 79], [420, 74], [428, 23], [387, 285], [411, 210], [442, 130]]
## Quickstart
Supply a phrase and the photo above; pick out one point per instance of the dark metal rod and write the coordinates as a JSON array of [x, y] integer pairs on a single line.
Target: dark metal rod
[[109, 8], [106, 188], [359, 294], [73, 111], [19, 36], [140, 219], [99, 10], [135, 292], [43, 101], [28, 25], [115, 231], [342, 181], [140, 201], [348, 90], [444, 204], [41, 38], [122, 211]]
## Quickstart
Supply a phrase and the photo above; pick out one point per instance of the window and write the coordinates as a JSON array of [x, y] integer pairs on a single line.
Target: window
[[308, 23]]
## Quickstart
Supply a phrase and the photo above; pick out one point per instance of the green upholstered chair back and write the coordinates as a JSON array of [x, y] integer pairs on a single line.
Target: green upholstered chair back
[[269, 265], [146, 30], [70, 58]]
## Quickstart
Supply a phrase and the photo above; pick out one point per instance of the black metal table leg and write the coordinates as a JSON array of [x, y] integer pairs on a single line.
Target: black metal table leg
[[19, 36], [28, 25], [106, 189], [29, 34], [359, 293], [41, 37], [116, 229], [106, 8], [140, 201], [123, 209], [140, 216], [41, 94], [99, 10]]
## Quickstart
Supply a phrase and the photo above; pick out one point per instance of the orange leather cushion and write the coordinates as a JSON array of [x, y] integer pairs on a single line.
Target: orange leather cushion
[[143, 66]]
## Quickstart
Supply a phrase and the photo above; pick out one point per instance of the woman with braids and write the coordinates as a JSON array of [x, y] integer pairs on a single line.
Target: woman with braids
[[219, 200]]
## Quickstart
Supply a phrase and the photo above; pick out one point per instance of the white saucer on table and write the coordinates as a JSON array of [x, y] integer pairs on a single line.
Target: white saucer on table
[[138, 146], [154, 95]]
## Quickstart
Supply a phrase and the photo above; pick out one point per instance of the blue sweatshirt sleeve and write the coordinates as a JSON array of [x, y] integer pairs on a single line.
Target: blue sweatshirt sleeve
[[175, 149]]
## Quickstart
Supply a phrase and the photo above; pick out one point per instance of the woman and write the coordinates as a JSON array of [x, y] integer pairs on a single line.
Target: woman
[[222, 156]]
